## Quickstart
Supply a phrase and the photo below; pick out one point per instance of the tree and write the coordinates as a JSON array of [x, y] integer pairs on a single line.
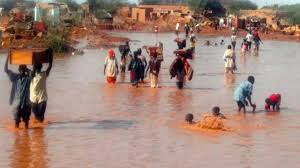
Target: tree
[[197, 5], [238, 5], [110, 6], [7, 5], [150, 2], [216, 7], [73, 5]]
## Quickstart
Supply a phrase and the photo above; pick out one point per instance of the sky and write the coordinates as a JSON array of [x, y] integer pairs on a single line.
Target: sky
[[260, 3]]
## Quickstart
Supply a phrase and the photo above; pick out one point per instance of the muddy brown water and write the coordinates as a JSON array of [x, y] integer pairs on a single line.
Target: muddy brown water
[[97, 125]]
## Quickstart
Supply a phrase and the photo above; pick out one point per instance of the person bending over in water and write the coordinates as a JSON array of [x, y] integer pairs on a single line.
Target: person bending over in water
[[273, 100], [243, 92], [20, 93]]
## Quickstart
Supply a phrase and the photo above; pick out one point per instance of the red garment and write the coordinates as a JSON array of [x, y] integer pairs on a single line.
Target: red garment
[[111, 80], [255, 34], [275, 98], [40, 27]]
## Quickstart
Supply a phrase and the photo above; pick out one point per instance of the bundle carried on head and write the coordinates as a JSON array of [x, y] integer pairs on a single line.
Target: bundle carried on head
[[185, 53]]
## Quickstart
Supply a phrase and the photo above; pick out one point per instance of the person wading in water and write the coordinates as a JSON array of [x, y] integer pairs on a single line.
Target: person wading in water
[[38, 89], [135, 68], [154, 67], [111, 68], [20, 93]]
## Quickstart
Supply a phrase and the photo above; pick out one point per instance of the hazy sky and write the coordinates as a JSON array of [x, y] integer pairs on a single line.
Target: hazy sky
[[258, 2]]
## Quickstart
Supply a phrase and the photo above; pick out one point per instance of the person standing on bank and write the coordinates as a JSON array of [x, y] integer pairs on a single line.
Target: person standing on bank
[[38, 88]]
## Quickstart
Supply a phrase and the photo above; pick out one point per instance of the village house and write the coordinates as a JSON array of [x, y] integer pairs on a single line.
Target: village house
[[143, 13], [262, 17]]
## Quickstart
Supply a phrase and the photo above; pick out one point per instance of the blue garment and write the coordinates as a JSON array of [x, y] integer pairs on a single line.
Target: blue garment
[[20, 90], [243, 91]]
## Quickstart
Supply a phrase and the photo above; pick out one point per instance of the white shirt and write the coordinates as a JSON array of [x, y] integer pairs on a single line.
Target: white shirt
[[229, 58], [38, 89], [111, 67], [249, 37], [177, 26], [233, 38]]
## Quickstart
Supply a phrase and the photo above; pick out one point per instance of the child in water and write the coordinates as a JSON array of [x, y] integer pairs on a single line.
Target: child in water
[[222, 42], [244, 46], [273, 100], [212, 121]]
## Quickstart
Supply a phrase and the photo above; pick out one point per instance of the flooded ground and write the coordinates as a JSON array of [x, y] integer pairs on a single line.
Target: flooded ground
[[97, 125]]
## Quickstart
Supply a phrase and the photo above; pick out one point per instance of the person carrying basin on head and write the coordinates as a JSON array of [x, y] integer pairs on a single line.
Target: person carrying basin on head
[[38, 88], [111, 68], [20, 93], [243, 93]]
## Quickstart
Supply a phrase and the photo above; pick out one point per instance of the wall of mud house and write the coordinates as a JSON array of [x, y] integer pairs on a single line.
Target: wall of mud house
[[141, 14]]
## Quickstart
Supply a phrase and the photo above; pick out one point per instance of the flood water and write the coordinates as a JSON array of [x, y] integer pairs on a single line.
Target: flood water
[[97, 125]]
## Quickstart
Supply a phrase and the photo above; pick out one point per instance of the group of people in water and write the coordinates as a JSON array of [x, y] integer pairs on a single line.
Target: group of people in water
[[242, 94], [29, 92], [139, 67]]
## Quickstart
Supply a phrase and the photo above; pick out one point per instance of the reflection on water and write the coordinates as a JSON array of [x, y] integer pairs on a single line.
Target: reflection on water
[[104, 124], [29, 150], [93, 124]]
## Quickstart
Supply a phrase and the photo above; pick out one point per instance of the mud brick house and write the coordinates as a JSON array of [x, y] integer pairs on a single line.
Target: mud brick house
[[143, 13]]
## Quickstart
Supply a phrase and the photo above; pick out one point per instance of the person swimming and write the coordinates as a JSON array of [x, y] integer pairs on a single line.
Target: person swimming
[[189, 118], [208, 121], [216, 112], [222, 42]]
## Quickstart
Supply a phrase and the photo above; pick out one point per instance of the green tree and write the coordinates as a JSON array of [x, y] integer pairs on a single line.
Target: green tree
[[197, 5], [150, 2], [7, 5], [110, 6], [238, 5], [73, 5], [296, 18]]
